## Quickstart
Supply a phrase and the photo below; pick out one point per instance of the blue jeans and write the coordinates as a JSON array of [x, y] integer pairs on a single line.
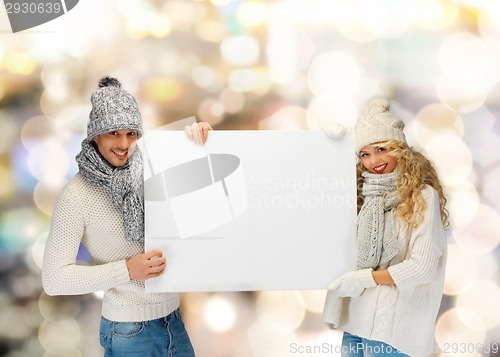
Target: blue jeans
[[354, 346], [163, 337]]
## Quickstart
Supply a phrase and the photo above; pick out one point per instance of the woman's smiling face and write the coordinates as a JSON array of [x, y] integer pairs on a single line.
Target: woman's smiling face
[[376, 160]]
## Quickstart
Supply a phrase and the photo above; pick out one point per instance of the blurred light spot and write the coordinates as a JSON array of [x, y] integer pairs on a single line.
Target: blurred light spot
[[270, 337], [7, 186], [364, 20], [294, 88], [472, 61], [52, 307], [482, 297], [451, 157], [264, 84], [59, 333], [219, 314], [24, 284], [487, 267], [38, 129], [211, 111], [459, 275], [450, 329], [62, 79], [240, 50], [232, 101], [435, 120], [293, 13], [64, 352], [244, 80], [45, 195], [480, 235], [196, 303], [30, 312], [463, 55], [210, 31], [220, 2], [288, 118], [491, 188], [8, 133], [314, 300], [253, 13], [460, 94], [150, 116], [49, 162], [144, 20], [205, 77], [289, 50], [163, 89], [481, 137], [51, 106], [217, 109], [284, 307], [463, 203], [8, 261], [38, 249], [18, 228], [161, 26], [19, 63], [326, 109], [434, 15], [402, 15], [336, 73], [183, 14], [21, 174], [12, 324], [489, 20]]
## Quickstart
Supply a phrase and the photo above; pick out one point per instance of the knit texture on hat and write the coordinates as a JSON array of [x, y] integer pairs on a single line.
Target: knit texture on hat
[[377, 124], [113, 108]]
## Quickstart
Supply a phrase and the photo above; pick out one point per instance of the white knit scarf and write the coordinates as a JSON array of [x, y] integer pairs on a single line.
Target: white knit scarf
[[124, 184], [376, 231]]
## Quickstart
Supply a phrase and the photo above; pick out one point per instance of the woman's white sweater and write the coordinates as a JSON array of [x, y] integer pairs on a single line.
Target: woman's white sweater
[[85, 213], [402, 315]]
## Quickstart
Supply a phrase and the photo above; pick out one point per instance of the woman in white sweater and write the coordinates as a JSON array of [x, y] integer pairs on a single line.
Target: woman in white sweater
[[102, 207], [390, 304]]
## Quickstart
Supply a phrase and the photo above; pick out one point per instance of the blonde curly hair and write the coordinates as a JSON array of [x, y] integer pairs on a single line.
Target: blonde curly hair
[[416, 172]]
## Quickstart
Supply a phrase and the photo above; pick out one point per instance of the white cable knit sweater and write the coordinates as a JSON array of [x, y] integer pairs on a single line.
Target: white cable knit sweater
[[402, 315], [85, 213]]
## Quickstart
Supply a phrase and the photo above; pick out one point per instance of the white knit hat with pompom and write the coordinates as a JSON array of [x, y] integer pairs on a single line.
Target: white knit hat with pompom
[[377, 124]]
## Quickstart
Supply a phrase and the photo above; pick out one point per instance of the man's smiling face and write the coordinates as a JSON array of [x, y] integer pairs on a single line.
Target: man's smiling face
[[116, 146]]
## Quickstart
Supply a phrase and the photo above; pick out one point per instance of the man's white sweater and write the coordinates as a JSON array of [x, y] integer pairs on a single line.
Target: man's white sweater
[[85, 213], [402, 315]]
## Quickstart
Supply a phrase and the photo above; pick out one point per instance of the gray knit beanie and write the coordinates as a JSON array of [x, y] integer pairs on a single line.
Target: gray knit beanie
[[112, 109], [377, 124]]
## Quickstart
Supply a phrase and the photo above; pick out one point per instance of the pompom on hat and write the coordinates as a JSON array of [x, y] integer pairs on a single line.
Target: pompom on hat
[[377, 124], [113, 108]]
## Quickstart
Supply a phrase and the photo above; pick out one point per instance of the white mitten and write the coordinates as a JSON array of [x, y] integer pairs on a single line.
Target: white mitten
[[353, 284]]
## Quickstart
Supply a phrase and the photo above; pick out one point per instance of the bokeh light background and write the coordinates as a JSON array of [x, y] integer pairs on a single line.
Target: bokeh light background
[[285, 65]]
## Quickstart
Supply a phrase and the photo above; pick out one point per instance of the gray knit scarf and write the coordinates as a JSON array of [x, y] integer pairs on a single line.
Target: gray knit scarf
[[376, 231], [124, 184]]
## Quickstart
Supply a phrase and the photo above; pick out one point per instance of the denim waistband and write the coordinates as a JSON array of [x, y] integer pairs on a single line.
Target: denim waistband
[[176, 314]]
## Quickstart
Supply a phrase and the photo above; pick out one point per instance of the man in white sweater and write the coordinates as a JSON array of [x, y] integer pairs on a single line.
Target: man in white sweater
[[102, 207]]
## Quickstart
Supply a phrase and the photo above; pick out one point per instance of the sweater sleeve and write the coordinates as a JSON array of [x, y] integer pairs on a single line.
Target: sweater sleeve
[[60, 273], [426, 248]]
